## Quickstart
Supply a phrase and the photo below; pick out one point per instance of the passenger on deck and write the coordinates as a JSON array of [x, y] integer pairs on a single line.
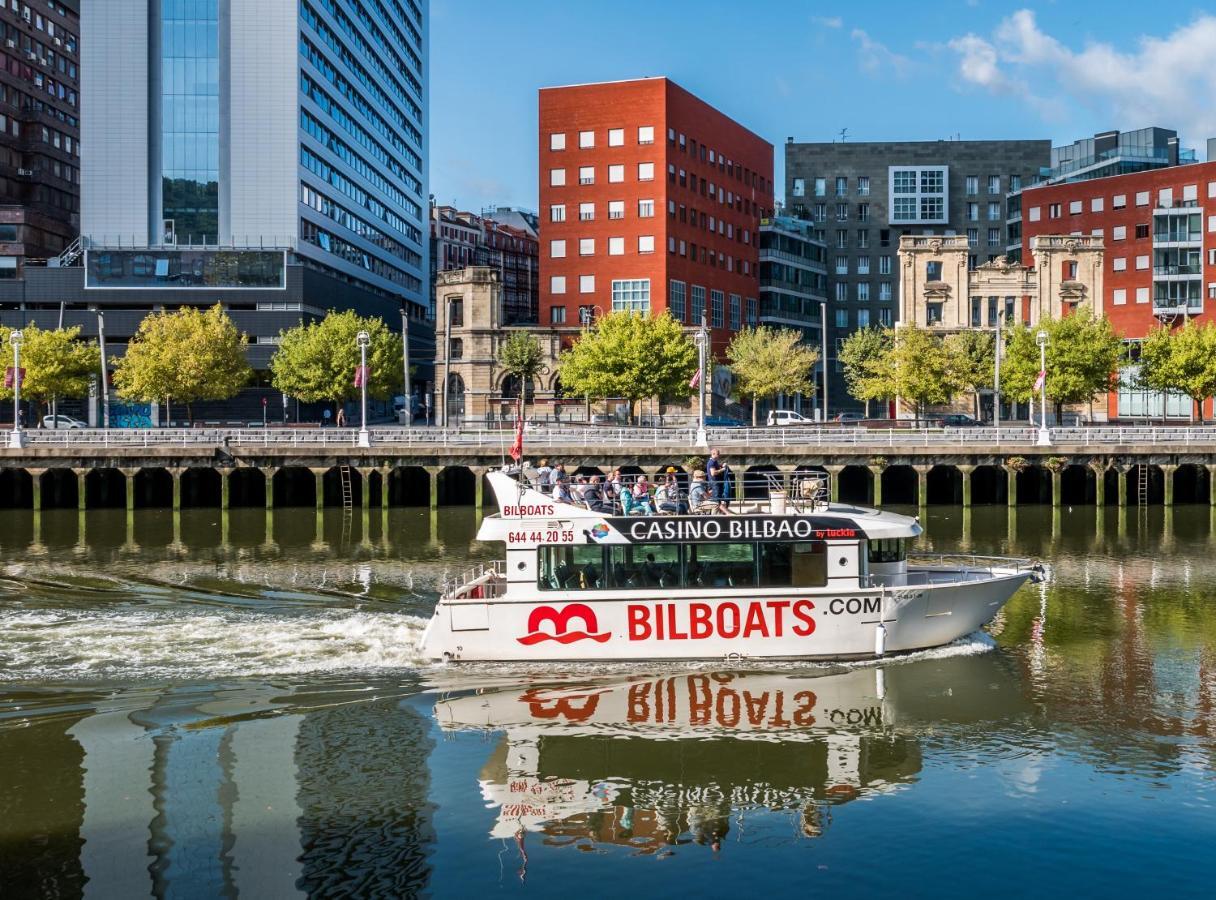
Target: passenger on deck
[[641, 496], [698, 493], [561, 490], [593, 496], [544, 473], [667, 498]]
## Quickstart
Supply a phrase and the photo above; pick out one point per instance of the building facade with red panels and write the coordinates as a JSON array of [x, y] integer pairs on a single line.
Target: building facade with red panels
[[650, 200], [1159, 230]]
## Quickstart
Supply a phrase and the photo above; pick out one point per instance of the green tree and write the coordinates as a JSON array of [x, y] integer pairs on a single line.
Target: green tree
[[521, 356], [865, 357], [1083, 354], [1181, 360], [56, 362], [922, 370], [188, 355], [973, 356], [771, 361], [632, 356], [317, 361]]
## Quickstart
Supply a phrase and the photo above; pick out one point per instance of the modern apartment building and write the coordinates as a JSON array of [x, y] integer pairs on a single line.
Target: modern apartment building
[[1101, 156], [651, 200], [861, 198], [793, 289], [503, 239], [1159, 232], [269, 156], [39, 131]]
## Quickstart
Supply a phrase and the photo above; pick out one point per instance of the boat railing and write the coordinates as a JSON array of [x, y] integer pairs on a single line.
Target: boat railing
[[934, 568], [484, 581]]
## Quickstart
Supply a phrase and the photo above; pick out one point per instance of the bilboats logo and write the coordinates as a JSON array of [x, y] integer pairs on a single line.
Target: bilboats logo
[[561, 621]]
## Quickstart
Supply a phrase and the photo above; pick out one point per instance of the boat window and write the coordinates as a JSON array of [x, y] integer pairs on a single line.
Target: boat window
[[889, 550], [720, 565], [810, 564], [644, 565], [571, 568]]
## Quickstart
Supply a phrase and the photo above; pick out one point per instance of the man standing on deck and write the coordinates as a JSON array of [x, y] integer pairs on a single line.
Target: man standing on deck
[[715, 473]]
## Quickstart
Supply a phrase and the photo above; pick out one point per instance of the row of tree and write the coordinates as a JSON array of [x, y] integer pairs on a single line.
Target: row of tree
[[635, 357], [1084, 356], [191, 355]]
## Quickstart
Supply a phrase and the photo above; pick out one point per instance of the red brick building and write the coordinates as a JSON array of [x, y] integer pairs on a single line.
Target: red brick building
[[650, 200], [1159, 229]]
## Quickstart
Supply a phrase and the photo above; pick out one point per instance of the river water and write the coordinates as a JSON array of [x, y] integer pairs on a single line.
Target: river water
[[207, 706]]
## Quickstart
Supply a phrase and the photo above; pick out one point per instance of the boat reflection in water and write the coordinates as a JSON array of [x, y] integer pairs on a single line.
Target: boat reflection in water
[[651, 763]]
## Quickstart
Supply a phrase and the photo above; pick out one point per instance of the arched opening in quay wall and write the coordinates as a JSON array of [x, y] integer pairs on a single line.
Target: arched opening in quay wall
[[16, 489], [856, 485], [105, 489], [201, 488], [456, 486], [1078, 486], [153, 489], [756, 483], [246, 488], [944, 486], [989, 486], [900, 485], [1034, 486], [409, 486], [331, 484], [1145, 485], [1192, 484], [294, 486]]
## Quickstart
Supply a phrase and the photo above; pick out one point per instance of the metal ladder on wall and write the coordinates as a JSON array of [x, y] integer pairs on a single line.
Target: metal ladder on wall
[[1142, 485], [348, 500]]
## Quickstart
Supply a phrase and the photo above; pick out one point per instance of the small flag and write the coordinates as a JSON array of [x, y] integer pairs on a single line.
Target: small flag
[[696, 379], [1038, 382], [8, 376], [517, 448], [360, 376]]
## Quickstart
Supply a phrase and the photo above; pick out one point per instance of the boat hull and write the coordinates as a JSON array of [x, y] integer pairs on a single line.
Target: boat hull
[[576, 626]]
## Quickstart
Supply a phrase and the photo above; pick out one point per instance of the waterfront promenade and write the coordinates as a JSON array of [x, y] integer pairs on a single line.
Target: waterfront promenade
[[440, 467]]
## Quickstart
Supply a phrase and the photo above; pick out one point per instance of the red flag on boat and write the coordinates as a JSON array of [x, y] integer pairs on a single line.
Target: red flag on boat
[[517, 448]]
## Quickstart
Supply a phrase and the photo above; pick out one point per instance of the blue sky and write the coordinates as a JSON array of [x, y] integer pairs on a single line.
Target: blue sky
[[883, 70]]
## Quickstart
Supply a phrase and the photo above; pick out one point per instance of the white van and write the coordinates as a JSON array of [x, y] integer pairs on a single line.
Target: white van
[[784, 417]]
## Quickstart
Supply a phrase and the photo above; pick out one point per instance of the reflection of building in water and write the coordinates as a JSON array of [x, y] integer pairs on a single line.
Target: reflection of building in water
[[699, 750], [166, 793]]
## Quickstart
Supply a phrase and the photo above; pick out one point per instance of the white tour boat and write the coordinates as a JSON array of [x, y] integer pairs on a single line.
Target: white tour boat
[[789, 577]]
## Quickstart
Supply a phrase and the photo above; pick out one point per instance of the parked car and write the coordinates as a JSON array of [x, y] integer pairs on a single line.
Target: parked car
[[783, 417], [958, 420], [722, 422], [62, 421], [849, 418], [605, 419]]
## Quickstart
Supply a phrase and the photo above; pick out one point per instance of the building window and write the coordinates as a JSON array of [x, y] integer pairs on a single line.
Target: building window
[[557, 141], [698, 304], [646, 209], [586, 246], [863, 265], [557, 315], [994, 211], [1119, 296], [1015, 183], [1142, 198], [884, 265], [557, 212], [863, 185], [905, 181], [842, 212], [736, 312], [646, 171], [557, 284], [1119, 201], [842, 239], [884, 318], [557, 177], [842, 186], [717, 310], [973, 237], [586, 175], [994, 237], [1142, 231], [676, 301], [645, 243], [842, 318], [863, 318], [863, 240], [1053, 211], [842, 265], [1119, 264], [586, 212], [933, 270], [616, 209], [645, 134], [905, 209], [1096, 204], [586, 284], [616, 246], [842, 292], [456, 348], [799, 187], [932, 207], [933, 313], [631, 295], [994, 184], [863, 292], [752, 311], [973, 185], [884, 292], [821, 187], [863, 212], [1118, 233], [557, 249]]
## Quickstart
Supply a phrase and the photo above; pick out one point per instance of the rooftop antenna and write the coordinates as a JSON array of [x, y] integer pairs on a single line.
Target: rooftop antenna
[[844, 135]]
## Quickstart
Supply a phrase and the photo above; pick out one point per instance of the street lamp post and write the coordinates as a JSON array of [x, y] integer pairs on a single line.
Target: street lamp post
[[823, 343], [16, 439], [702, 340], [1044, 436], [363, 339], [996, 374], [405, 365]]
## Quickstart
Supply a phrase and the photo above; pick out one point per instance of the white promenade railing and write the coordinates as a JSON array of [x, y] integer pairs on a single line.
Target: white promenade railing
[[536, 440]]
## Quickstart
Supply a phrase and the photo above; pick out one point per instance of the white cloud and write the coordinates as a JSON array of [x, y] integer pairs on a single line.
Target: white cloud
[[1167, 81], [828, 21], [875, 57]]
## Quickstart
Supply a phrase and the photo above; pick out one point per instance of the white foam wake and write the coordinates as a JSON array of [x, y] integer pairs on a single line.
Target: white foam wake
[[183, 643]]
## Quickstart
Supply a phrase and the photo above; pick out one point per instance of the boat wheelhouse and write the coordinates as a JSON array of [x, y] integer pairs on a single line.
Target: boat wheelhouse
[[790, 577]]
